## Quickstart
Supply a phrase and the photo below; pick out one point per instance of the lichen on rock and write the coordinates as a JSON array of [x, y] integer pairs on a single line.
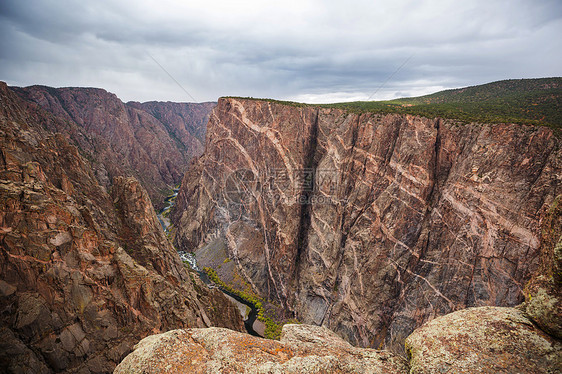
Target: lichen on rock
[[302, 349], [483, 340]]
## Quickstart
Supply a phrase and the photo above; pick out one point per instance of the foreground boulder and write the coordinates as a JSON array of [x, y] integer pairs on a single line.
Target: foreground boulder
[[474, 340], [302, 349], [483, 340]]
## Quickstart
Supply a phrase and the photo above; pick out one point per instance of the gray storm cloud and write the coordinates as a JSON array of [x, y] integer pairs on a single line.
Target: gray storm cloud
[[298, 50]]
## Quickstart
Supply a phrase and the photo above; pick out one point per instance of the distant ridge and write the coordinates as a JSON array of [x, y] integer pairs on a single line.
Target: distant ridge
[[524, 101]]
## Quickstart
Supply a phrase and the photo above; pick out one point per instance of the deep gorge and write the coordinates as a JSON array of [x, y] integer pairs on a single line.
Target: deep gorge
[[427, 216], [249, 318], [434, 243]]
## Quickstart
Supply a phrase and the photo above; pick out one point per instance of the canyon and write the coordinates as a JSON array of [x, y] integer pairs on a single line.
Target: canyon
[[369, 224], [382, 241], [523, 339]]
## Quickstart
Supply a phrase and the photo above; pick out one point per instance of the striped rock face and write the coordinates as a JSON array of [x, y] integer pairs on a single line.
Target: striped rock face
[[370, 224]]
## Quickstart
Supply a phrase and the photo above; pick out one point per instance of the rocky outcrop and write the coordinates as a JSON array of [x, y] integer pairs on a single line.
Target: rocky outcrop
[[302, 349], [501, 340], [474, 340], [83, 274], [151, 141], [370, 224], [483, 340]]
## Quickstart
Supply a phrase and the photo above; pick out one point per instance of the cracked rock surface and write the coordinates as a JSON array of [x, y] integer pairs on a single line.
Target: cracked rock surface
[[302, 349], [483, 340], [474, 340], [84, 274]]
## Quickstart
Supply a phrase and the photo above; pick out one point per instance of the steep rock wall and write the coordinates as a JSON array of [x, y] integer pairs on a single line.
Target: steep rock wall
[[407, 218], [83, 274], [151, 141]]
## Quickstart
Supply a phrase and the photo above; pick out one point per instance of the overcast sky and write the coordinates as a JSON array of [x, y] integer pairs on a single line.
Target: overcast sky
[[312, 51]]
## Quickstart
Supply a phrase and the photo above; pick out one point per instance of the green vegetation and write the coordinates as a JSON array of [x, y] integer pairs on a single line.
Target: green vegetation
[[250, 298], [523, 101], [170, 233], [272, 327], [165, 192], [288, 103]]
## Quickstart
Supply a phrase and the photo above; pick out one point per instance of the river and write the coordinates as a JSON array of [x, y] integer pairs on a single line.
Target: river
[[248, 312], [164, 212]]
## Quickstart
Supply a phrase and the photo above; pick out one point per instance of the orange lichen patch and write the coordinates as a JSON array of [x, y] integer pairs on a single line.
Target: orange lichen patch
[[244, 345], [189, 357]]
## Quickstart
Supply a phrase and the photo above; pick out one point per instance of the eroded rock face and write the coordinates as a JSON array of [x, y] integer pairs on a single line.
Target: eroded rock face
[[302, 349], [543, 294], [151, 141], [483, 340], [408, 218], [185, 120], [83, 275]]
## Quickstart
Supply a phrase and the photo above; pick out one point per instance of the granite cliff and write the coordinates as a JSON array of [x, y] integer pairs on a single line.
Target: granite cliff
[[488, 339], [370, 224], [151, 141], [84, 273]]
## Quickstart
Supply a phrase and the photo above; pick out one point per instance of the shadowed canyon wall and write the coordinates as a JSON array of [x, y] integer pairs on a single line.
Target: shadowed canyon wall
[[151, 141]]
